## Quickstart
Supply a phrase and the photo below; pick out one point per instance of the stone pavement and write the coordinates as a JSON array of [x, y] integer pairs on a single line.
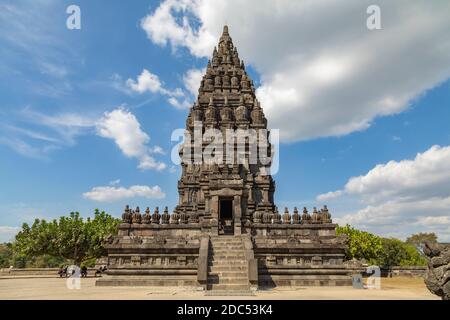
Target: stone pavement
[[55, 288]]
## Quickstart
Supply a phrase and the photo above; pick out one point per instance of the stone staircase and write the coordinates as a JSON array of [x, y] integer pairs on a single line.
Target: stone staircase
[[227, 266]]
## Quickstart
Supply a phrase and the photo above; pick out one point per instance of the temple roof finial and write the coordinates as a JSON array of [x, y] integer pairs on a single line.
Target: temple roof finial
[[225, 30]]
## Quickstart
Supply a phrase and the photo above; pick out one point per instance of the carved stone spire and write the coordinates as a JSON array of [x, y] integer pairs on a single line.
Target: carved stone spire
[[225, 97]]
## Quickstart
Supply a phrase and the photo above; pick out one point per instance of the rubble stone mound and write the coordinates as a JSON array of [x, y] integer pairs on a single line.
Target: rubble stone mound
[[437, 277]]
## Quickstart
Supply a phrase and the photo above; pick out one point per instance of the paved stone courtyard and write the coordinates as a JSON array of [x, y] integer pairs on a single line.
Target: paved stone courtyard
[[55, 288]]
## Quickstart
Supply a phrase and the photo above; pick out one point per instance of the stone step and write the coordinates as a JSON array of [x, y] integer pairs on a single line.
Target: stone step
[[226, 248], [237, 287], [227, 280], [231, 273], [223, 293], [240, 256], [227, 262], [223, 271], [226, 241], [214, 269], [236, 263], [225, 252], [229, 236]]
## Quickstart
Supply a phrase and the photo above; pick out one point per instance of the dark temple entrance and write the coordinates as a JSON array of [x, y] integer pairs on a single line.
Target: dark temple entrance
[[226, 216]]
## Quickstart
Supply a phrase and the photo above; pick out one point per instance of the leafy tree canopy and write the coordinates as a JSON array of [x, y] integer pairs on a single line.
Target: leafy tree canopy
[[69, 237], [362, 245], [398, 253], [418, 240], [384, 252]]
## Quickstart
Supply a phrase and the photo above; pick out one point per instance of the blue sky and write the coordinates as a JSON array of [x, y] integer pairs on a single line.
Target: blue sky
[[60, 87]]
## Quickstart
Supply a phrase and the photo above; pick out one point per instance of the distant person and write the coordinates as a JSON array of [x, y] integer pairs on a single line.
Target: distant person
[[83, 271], [62, 271]]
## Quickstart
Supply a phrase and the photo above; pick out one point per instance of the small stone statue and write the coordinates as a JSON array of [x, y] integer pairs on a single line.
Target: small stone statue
[[197, 113], [147, 218], [183, 217], [267, 217], [136, 218], [156, 216], [276, 218], [217, 81], [234, 80], [226, 80], [209, 84], [193, 217], [126, 216], [257, 114], [244, 81], [286, 216], [257, 217], [175, 218], [226, 114], [325, 215], [165, 218], [296, 217], [306, 218], [210, 113], [215, 59], [316, 216]]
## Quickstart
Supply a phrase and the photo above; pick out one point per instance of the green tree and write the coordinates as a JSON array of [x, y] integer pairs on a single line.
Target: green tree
[[361, 244], [398, 253], [71, 237], [414, 257], [393, 252], [418, 240], [6, 255]]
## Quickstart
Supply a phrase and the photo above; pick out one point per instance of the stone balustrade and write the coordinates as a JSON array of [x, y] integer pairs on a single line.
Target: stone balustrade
[[131, 216], [318, 217], [321, 216]]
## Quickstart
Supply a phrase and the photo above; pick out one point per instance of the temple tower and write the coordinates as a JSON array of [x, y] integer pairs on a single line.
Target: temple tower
[[226, 195], [226, 232]]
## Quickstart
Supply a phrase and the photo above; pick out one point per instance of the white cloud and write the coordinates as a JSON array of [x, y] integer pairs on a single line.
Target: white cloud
[[179, 104], [192, 79], [122, 126], [191, 82], [172, 169], [426, 175], [317, 59], [114, 182], [146, 81], [8, 233], [111, 194], [157, 149], [400, 218], [54, 70], [149, 82], [148, 162], [46, 133], [52, 132], [402, 197], [67, 126], [329, 195], [162, 27], [37, 60]]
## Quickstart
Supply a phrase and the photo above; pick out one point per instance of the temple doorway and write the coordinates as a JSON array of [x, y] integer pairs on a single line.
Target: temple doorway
[[226, 216]]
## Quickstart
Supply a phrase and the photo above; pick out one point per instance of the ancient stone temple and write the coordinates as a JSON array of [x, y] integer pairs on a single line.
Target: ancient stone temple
[[226, 231]]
